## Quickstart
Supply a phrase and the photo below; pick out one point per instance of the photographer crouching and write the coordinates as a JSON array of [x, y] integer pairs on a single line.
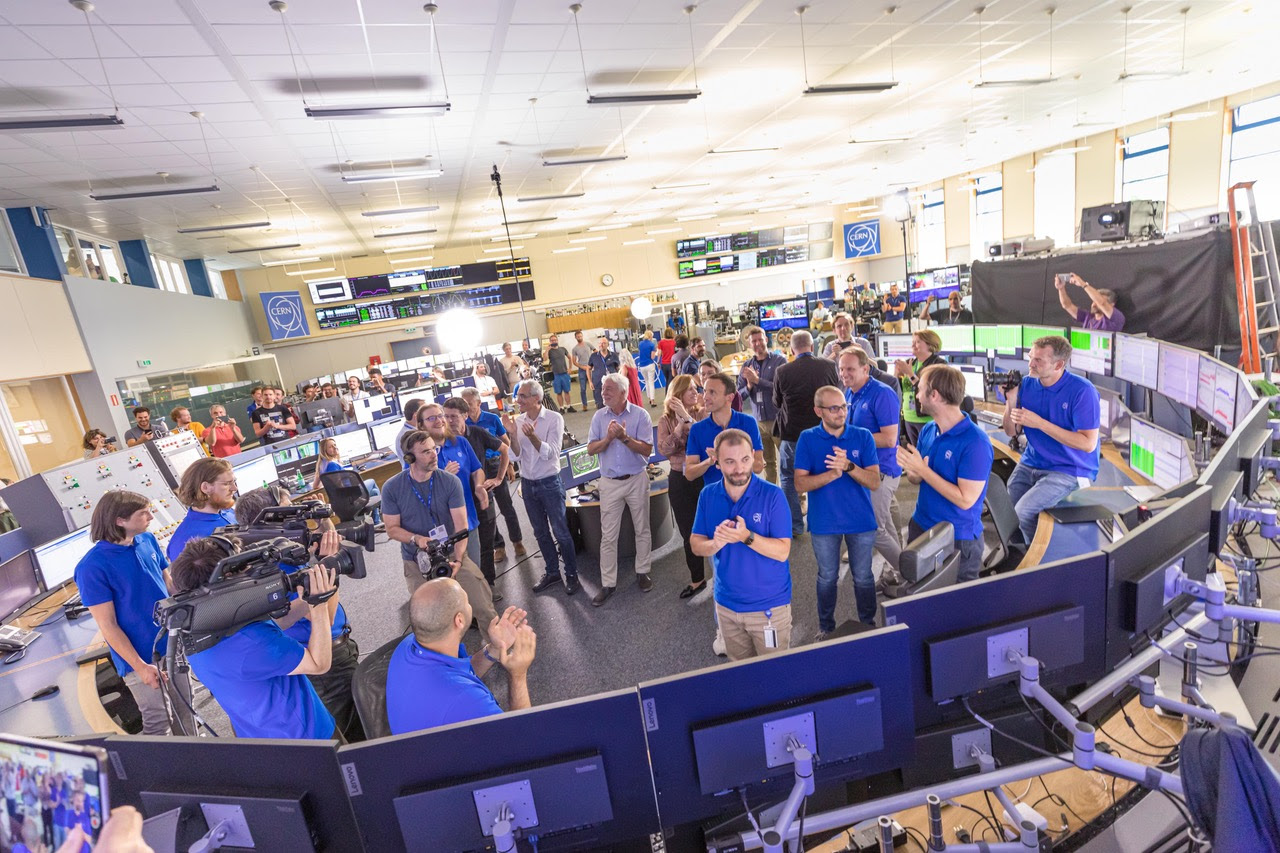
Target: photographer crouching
[[333, 686]]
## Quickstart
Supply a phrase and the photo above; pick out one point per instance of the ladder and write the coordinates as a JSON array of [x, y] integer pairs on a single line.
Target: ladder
[[1253, 249]]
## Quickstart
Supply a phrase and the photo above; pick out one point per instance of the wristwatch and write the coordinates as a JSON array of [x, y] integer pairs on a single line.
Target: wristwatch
[[848, 465], [751, 537], [485, 651]]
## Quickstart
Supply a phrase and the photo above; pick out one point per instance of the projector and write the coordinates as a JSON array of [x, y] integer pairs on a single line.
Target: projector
[[1004, 248], [1126, 220]]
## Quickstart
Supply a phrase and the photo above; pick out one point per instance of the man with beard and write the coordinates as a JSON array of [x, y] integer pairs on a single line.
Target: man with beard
[[1102, 313], [208, 491], [455, 455], [482, 443]]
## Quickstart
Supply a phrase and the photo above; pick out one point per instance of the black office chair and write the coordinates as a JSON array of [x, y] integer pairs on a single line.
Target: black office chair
[[928, 562], [369, 689], [347, 494], [1005, 521]]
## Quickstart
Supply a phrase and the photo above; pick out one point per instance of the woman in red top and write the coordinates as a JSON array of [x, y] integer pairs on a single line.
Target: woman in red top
[[667, 346], [627, 367], [223, 437]]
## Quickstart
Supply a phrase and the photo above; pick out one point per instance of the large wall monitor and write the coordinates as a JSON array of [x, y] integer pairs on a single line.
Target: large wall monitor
[[335, 290], [1161, 456], [788, 314], [1137, 359], [936, 283], [1179, 374], [1216, 393], [1091, 351], [57, 560], [1003, 340]]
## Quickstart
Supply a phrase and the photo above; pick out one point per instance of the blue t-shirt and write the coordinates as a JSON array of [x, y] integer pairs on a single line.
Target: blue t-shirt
[[644, 352], [961, 453], [458, 450], [703, 435], [746, 581], [1070, 403], [426, 689], [301, 630], [330, 466], [131, 577], [897, 303], [842, 506], [874, 407], [195, 524], [248, 673]]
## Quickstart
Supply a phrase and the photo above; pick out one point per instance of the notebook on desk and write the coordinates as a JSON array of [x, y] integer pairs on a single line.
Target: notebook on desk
[[1079, 513], [1142, 493]]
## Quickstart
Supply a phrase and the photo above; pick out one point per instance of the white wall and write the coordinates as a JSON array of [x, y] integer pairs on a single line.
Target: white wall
[[121, 324]]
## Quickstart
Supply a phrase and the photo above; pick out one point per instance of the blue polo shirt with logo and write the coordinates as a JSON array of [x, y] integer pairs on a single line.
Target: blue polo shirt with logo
[[130, 577], [844, 505], [703, 435], [874, 407], [961, 453], [747, 581], [1070, 403], [426, 689], [197, 523], [457, 450]]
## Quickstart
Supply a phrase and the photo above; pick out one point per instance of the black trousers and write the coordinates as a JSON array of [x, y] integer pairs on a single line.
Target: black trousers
[[683, 495], [502, 494], [487, 531], [334, 688]]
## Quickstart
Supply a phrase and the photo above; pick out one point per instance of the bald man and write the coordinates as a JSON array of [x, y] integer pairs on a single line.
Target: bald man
[[432, 682]]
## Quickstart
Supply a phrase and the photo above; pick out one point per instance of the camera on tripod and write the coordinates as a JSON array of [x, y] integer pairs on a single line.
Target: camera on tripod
[[290, 522], [1006, 382], [435, 560]]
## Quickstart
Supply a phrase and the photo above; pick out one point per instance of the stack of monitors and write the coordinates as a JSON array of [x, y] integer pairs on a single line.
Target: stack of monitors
[[1091, 351], [1003, 340]]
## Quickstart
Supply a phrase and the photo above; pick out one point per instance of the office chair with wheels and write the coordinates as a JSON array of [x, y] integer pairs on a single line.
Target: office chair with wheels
[[369, 689], [348, 495], [1005, 521]]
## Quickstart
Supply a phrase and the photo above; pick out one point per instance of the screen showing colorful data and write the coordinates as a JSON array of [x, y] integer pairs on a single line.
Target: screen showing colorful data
[[1091, 351], [1179, 374], [1216, 393], [1005, 340], [1159, 455], [1137, 359]]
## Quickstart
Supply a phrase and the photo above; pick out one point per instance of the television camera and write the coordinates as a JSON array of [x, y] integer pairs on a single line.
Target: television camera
[[435, 561], [290, 522]]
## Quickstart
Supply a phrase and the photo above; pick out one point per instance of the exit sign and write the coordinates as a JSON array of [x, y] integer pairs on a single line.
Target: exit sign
[[144, 362]]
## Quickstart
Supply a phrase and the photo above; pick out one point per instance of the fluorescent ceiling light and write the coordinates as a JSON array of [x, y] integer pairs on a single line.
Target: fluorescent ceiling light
[[588, 239], [502, 238], [674, 96], [583, 161], [398, 210], [292, 261], [1149, 75], [86, 122], [879, 140], [664, 231], [531, 220], [638, 242], [682, 186], [408, 249], [394, 261], [1062, 152], [405, 233], [611, 227], [504, 249], [155, 193], [564, 251], [200, 229], [1188, 116], [386, 111], [551, 197], [265, 249], [851, 88], [309, 272], [394, 176], [740, 150], [1013, 84], [777, 208], [696, 218]]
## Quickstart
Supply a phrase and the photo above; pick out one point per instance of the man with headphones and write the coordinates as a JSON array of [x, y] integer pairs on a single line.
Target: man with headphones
[[423, 503]]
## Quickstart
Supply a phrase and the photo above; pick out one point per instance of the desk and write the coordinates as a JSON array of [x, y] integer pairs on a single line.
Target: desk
[[660, 521]]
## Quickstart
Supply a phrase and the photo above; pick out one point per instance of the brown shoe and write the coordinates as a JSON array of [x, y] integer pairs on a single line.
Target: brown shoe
[[644, 582], [602, 596], [499, 555], [520, 549]]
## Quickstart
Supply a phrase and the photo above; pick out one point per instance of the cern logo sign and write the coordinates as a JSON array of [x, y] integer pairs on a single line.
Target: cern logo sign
[[285, 317], [862, 239]]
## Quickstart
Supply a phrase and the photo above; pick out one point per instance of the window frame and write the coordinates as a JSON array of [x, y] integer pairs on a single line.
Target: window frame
[[931, 236], [1127, 156], [1266, 202], [977, 239], [13, 245]]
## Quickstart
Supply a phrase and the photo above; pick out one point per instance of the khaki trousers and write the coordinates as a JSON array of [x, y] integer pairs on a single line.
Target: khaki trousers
[[478, 591], [884, 502], [771, 443], [743, 633], [632, 493]]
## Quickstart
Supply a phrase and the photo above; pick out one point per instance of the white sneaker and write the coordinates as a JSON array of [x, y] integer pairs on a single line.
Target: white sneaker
[[717, 645]]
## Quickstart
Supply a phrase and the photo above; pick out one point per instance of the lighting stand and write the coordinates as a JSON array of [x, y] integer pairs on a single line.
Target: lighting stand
[[906, 267], [496, 177]]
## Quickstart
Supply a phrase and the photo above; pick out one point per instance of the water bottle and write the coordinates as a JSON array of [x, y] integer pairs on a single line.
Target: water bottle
[[301, 483]]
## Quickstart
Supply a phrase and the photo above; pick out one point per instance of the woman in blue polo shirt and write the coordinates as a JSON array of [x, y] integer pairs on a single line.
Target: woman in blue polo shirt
[[329, 460], [208, 491]]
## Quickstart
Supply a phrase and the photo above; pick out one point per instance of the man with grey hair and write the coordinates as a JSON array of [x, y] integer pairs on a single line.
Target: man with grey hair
[[1103, 315], [431, 681], [537, 434], [794, 385], [621, 435], [491, 423]]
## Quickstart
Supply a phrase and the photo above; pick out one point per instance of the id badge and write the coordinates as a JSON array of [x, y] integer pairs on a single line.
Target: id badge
[[438, 533], [770, 637]]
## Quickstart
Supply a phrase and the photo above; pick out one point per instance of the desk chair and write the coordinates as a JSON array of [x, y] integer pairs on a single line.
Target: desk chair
[[348, 495], [928, 562], [369, 689], [1005, 520]]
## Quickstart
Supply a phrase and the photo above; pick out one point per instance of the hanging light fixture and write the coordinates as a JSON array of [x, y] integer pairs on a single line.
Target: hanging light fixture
[[837, 88], [1126, 74], [668, 96], [1018, 82]]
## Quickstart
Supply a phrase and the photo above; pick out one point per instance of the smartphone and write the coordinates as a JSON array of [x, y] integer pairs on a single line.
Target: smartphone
[[62, 774], [1064, 278]]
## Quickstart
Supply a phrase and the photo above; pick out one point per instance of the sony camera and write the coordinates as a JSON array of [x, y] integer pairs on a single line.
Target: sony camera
[[290, 522], [1006, 382], [434, 560], [248, 586]]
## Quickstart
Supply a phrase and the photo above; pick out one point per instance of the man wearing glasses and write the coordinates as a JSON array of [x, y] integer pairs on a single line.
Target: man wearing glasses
[[836, 463]]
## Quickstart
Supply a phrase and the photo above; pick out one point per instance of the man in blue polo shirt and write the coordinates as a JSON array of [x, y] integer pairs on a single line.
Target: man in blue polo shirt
[[744, 522], [431, 681], [874, 406], [894, 306], [951, 464], [836, 463], [454, 454], [1059, 414], [120, 580], [258, 674], [208, 491], [756, 382], [490, 422], [699, 460]]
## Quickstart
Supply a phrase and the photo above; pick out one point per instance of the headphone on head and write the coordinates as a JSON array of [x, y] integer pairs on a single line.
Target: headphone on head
[[409, 456]]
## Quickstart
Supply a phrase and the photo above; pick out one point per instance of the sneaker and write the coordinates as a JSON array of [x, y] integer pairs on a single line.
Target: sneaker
[[548, 580], [570, 409], [717, 645], [499, 555], [821, 636], [520, 549]]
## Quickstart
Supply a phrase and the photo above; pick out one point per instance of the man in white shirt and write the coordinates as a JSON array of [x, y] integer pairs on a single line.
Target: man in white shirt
[[354, 392], [513, 365], [536, 436]]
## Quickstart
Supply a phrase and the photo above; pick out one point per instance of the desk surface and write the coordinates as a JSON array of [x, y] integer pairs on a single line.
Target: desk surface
[[51, 659]]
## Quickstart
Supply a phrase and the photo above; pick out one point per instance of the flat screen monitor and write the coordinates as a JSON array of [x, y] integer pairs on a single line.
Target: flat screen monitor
[[1110, 409], [1031, 334], [1216, 393], [583, 467], [57, 560], [19, 583], [581, 765], [333, 290], [957, 339], [1245, 398], [1137, 359], [383, 434], [1161, 456], [718, 731], [975, 380], [1178, 375], [374, 408], [353, 444], [1002, 340], [325, 412], [426, 395], [893, 347], [936, 283], [787, 314], [295, 457], [1091, 351], [255, 474]]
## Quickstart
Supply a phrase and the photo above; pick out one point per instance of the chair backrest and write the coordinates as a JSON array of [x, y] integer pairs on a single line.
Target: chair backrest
[[369, 689], [1004, 517], [346, 492]]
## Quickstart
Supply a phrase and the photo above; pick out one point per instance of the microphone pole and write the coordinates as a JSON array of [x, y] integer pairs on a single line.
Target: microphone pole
[[39, 694], [496, 177]]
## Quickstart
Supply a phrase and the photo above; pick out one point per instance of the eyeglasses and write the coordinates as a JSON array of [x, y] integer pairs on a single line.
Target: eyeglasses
[[433, 418], [843, 407]]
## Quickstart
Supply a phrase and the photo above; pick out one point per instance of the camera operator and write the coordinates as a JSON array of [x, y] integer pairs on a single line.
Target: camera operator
[[333, 686], [208, 491], [424, 503], [120, 580], [431, 681], [257, 673], [457, 457]]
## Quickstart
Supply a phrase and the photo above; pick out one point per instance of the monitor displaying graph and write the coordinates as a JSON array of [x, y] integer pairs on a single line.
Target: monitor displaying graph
[[1179, 374], [1091, 351], [1161, 456], [1216, 393], [1005, 340], [1137, 359], [956, 338], [894, 347], [1031, 334]]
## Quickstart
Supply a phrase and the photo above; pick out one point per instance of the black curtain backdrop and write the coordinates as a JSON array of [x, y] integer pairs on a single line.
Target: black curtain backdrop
[[1181, 291]]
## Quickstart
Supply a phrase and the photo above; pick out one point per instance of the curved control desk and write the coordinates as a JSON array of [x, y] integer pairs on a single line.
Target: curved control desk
[[587, 516]]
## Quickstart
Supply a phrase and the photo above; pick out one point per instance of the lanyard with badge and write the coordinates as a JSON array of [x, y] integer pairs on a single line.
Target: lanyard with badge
[[437, 533], [770, 633]]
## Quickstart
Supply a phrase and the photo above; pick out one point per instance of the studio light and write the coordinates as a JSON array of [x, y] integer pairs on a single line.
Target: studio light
[[898, 206], [641, 308], [458, 330]]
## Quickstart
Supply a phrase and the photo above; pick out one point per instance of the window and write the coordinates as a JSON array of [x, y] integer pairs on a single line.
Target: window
[[170, 274], [987, 224], [45, 421], [10, 260], [1255, 153], [1144, 166], [1055, 198], [931, 231], [87, 256]]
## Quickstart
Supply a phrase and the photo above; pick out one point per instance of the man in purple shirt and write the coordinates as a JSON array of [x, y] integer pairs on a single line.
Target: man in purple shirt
[[1103, 315]]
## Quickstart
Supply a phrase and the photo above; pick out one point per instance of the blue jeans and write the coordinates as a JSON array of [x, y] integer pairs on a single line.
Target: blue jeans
[[1034, 489], [582, 387], [826, 550], [787, 479], [544, 502]]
